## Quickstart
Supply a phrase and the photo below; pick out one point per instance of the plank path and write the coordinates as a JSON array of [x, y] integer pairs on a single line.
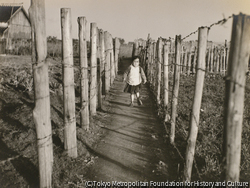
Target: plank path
[[133, 147]]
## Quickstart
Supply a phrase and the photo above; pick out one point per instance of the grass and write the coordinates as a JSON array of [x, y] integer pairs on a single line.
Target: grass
[[208, 152], [18, 148]]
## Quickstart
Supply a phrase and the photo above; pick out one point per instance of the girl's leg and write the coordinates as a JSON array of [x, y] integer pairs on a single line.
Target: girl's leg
[[138, 98], [137, 95], [132, 96]]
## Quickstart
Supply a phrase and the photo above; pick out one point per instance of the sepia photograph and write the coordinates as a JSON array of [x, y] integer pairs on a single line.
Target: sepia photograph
[[124, 93]]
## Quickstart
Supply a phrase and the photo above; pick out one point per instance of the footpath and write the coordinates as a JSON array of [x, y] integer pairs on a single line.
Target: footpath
[[133, 147]]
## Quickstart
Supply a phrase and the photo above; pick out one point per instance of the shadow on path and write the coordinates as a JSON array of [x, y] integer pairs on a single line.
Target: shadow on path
[[133, 147]]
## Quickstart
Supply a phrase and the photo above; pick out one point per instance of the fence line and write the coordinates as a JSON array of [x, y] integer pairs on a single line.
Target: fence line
[[216, 60]]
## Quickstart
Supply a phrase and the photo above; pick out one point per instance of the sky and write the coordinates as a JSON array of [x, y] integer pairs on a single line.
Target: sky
[[133, 19]]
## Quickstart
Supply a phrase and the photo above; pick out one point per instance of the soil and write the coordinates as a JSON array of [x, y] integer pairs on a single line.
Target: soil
[[123, 144]]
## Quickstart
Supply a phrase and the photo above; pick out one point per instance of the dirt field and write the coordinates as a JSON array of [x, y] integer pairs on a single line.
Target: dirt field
[[126, 143]]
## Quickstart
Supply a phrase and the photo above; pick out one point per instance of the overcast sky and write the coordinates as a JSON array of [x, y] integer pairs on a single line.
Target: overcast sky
[[132, 19]]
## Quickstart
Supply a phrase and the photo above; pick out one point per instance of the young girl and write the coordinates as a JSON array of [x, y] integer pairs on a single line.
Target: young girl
[[134, 75]]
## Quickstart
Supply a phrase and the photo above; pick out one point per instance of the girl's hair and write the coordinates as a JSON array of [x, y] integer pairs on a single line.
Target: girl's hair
[[136, 57]]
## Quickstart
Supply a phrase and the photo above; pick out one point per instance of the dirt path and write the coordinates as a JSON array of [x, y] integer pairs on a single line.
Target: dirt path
[[133, 147]]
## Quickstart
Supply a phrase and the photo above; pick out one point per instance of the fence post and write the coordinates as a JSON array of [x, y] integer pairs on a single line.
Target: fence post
[[208, 59], [176, 84], [226, 55], [212, 58], [181, 61], [101, 68], [159, 65], [107, 62], [216, 54], [117, 50], [93, 69], [84, 113], [98, 84], [70, 143], [165, 71], [154, 65], [112, 60], [149, 61], [41, 112], [195, 116], [185, 61], [234, 96], [189, 60], [194, 60], [221, 63]]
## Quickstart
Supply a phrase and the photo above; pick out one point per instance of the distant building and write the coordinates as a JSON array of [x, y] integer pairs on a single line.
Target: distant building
[[14, 25]]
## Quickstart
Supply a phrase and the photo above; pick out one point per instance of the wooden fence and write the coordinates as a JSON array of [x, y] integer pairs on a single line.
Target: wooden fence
[[103, 64], [202, 59]]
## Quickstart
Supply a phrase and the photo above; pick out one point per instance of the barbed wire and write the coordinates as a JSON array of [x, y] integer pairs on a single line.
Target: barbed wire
[[220, 22]]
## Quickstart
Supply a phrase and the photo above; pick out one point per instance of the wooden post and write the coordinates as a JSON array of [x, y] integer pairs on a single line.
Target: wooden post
[[97, 70], [176, 84], [212, 59], [165, 71], [149, 61], [194, 60], [217, 60], [226, 56], [102, 63], [117, 49], [224, 62], [189, 61], [159, 65], [107, 62], [154, 65], [70, 143], [221, 63], [208, 60], [195, 116], [93, 69], [185, 62], [84, 100], [181, 61], [234, 96], [112, 60], [41, 112]]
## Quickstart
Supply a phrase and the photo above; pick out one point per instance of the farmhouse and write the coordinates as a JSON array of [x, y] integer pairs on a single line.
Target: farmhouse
[[14, 26]]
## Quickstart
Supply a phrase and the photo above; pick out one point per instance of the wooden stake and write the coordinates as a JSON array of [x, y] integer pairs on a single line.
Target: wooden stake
[[175, 86], [208, 60], [70, 143], [84, 114], [195, 116], [165, 71], [159, 65], [107, 62], [154, 68], [102, 64], [185, 62], [194, 60], [41, 112], [112, 62], [235, 94], [212, 59], [117, 49], [189, 61], [93, 69]]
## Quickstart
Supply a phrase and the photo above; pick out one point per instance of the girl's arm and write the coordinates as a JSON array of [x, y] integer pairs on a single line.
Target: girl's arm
[[126, 73], [144, 78]]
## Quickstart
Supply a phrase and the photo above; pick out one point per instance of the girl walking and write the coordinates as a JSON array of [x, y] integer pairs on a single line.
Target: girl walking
[[133, 77]]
